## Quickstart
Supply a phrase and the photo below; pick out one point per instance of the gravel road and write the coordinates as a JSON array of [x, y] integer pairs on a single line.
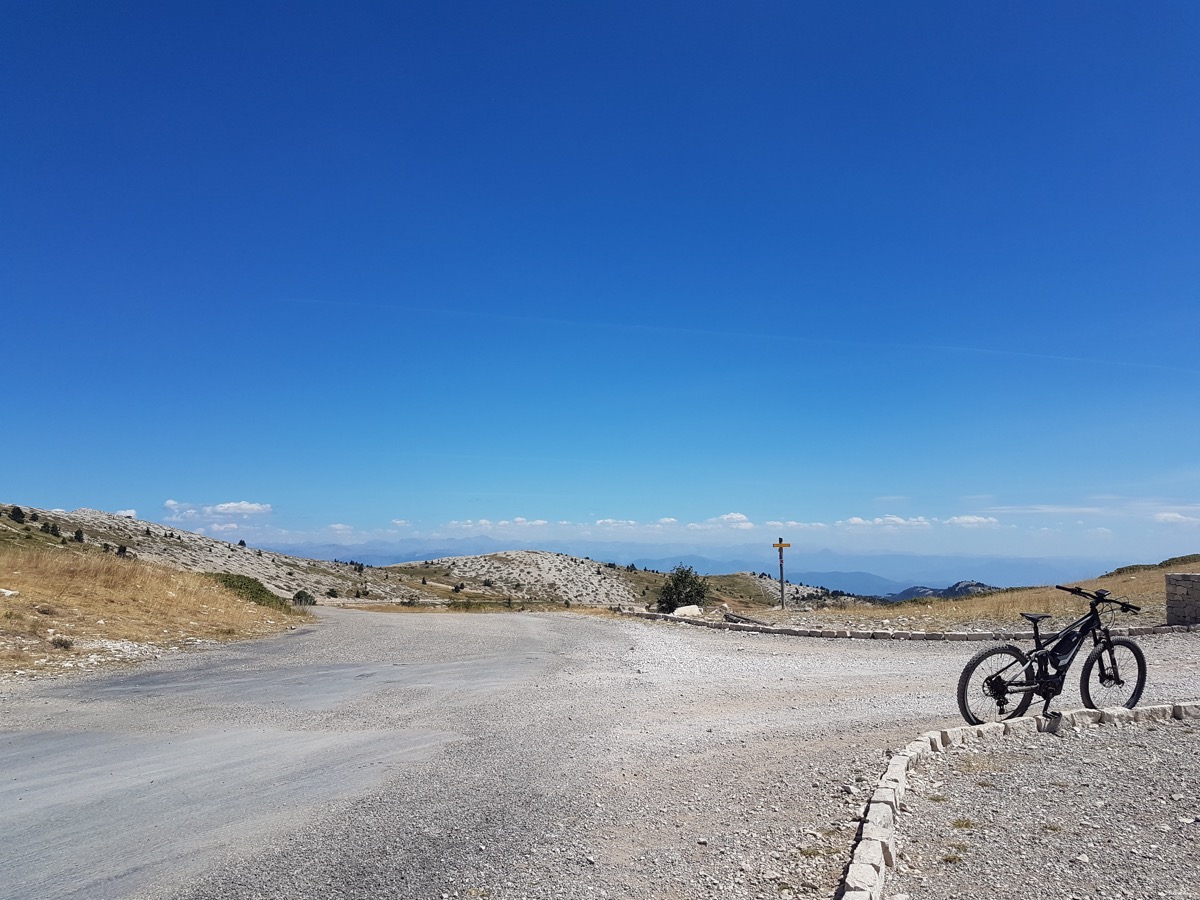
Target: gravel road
[[491, 756]]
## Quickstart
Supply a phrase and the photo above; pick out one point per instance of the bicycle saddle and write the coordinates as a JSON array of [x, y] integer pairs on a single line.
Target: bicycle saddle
[[1035, 617]]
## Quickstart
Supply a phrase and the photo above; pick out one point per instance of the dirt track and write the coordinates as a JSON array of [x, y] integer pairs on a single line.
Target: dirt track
[[502, 756]]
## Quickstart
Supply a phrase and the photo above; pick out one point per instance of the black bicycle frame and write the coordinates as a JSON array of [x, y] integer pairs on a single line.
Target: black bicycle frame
[[1044, 684]]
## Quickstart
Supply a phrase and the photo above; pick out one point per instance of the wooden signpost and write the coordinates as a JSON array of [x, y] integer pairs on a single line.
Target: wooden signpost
[[782, 595]]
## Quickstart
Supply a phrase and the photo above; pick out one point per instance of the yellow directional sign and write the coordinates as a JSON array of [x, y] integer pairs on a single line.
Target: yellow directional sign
[[781, 545]]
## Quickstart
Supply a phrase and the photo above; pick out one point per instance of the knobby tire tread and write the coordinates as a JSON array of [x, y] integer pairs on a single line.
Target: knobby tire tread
[[1093, 662], [1019, 702]]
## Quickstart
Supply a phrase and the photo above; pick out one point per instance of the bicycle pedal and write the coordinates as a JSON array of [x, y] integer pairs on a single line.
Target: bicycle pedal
[[1053, 715]]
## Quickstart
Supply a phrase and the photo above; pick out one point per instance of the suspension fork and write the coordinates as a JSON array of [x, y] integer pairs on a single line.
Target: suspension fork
[[1108, 658]]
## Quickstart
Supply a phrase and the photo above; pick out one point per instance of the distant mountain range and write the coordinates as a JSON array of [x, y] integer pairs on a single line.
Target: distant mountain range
[[878, 575], [955, 591]]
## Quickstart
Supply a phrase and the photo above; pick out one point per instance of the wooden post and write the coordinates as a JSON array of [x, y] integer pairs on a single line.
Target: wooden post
[[782, 595]]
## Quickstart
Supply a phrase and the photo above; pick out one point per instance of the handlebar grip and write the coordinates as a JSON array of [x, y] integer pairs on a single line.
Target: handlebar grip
[[1069, 590], [1130, 606]]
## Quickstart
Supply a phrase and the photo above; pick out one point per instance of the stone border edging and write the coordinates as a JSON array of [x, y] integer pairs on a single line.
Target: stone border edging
[[874, 851], [885, 635]]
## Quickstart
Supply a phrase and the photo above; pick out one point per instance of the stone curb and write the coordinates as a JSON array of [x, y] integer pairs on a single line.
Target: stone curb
[[874, 852], [850, 634]]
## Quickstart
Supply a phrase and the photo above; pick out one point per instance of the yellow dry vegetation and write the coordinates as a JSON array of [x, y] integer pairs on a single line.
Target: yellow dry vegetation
[[1002, 609], [68, 602]]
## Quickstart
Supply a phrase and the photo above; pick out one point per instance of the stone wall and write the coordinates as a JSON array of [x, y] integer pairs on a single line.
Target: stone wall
[[1183, 599]]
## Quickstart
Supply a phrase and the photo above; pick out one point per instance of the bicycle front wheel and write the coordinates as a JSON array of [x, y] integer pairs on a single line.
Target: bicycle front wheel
[[995, 685], [1113, 675]]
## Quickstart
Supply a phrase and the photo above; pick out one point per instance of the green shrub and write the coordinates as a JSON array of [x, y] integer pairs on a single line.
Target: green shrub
[[683, 588], [303, 598], [249, 589]]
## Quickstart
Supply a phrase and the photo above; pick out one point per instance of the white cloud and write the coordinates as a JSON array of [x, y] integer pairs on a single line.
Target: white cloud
[[666, 520], [517, 522], [790, 523], [973, 521], [616, 523], [128, 513], [888, 523], [734, 520], [401, 523], [1050, 510], [179, 512], [339, 528], [183, 512], [228, 526], [1174, 518], [238, 508]]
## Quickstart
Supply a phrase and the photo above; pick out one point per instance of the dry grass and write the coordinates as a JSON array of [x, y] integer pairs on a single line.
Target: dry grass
[[1000, 610], [88, 597]]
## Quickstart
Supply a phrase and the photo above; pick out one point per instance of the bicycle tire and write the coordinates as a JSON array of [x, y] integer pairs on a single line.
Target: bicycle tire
[[977, 702], [1103, 689]]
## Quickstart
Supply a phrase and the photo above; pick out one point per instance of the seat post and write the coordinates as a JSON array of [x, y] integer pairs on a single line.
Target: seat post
[[1034, 619]]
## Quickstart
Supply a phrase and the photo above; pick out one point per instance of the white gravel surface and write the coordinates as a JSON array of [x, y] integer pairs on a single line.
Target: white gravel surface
[[1097, 812], [501, 756]]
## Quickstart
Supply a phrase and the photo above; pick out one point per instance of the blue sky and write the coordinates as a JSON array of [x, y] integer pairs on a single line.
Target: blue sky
[[874, 277]]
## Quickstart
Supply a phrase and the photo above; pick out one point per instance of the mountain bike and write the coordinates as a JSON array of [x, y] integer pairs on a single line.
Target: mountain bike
[[1000, 682]]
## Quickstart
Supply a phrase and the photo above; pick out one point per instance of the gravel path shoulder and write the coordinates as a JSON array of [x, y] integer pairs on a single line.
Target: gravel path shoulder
[[1086, 813]]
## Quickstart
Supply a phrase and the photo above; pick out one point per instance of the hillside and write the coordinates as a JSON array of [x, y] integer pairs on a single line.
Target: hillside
[[502, 580], [506, 579]]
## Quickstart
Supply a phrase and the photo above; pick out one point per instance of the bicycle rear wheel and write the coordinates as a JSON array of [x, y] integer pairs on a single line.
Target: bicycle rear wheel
[[1113, 675], [990, 687]]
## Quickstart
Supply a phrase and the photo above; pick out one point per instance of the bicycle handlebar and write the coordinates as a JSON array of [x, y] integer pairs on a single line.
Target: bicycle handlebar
[[1100, 597]]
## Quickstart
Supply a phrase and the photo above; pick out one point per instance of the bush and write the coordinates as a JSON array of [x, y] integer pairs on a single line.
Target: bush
[[683, 588], [62, 642], [303, 598], [17, 514], [332, 592], [249, 589], [78, 536]]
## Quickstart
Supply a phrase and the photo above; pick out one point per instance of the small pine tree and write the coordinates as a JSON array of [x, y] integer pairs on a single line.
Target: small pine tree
[[683, 588], [17, 514], [242, 543], [79, 535]]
